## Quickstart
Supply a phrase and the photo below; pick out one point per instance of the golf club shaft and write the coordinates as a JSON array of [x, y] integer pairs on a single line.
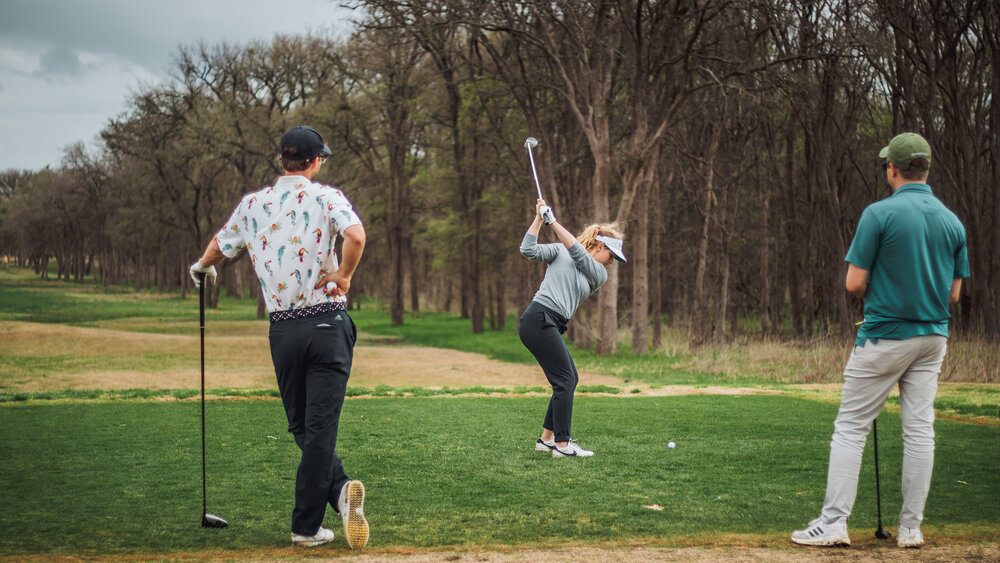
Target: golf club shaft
[[534, 172], [201, 315], [878, 492]]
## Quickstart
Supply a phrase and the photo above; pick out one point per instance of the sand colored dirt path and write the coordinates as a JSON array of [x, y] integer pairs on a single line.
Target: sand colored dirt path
[[96, 358]]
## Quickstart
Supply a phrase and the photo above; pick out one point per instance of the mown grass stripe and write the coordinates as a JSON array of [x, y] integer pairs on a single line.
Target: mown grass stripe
[[124, 477]]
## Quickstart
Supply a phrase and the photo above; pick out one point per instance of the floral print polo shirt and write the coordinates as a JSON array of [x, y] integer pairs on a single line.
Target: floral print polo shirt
[[288, 229]]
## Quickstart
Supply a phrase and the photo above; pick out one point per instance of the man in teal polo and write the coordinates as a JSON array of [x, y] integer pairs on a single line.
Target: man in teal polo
[[907, 261]]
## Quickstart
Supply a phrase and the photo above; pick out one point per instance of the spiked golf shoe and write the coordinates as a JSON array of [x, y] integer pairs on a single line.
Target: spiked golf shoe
[[352, 511]]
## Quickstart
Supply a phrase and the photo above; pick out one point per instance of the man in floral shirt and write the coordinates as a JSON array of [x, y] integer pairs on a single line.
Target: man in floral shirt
[[289, 230]]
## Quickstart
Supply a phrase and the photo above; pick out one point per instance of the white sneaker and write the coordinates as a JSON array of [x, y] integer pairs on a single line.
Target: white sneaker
[[352, 511], [821, 533], [543, 446], [322, 535], [571, 449], [909, 537]]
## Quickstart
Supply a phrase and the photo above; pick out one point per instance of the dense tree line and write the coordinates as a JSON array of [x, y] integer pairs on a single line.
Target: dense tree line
[[735, 140]]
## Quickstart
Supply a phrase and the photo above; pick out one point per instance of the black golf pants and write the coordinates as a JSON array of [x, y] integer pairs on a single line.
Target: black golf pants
[[312, 360], [541, 331]]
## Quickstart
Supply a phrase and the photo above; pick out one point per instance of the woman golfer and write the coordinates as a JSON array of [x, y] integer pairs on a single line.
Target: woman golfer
[[577, 267]]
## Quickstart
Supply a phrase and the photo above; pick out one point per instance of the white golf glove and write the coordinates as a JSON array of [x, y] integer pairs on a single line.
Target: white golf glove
[[197, 268], [547, 216]]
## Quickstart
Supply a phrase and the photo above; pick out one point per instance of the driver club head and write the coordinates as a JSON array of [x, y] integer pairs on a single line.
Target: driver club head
[[882, 533], [212, 521], [530, 142]]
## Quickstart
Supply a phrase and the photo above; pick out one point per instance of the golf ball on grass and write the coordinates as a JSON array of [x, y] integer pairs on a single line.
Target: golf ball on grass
[[671, 445]]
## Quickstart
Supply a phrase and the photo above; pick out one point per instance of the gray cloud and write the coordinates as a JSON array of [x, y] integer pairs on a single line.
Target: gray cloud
[[59, 62], [147, 33], [96, 51], [130, 30]]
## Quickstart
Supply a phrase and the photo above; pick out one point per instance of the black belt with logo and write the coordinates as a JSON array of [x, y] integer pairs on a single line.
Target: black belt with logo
[[310, 311]]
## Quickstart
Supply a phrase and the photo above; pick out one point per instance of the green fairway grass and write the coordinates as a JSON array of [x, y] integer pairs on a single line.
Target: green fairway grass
[[26, 298], [120, 477], [93, 473]]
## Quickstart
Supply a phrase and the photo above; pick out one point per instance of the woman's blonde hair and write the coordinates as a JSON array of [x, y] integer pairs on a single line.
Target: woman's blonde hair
[[588, 238]]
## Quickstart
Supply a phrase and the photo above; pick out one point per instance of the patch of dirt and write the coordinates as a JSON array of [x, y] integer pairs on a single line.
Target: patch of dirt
[[401, 366], [243, 362], [670, 390], [238, 356]]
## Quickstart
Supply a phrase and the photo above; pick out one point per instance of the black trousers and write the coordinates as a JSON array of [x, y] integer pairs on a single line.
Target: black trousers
[[541, 332], [312, 361]]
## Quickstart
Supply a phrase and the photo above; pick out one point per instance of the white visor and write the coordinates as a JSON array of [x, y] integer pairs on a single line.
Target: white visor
[[614, 245]]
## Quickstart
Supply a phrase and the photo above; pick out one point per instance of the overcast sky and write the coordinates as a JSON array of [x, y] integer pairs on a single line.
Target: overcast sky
[[67, 66]]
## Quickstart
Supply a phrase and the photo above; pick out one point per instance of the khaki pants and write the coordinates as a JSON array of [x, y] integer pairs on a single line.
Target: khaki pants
[[870, 373]]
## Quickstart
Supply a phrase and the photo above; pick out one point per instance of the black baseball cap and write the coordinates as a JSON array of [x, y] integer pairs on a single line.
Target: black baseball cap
[[303, 143]]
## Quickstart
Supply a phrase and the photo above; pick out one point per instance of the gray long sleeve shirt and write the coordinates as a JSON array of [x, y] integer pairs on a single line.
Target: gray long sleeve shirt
[[571, 277]]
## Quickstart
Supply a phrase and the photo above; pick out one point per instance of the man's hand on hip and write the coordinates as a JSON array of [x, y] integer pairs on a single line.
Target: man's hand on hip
[[343, 283]]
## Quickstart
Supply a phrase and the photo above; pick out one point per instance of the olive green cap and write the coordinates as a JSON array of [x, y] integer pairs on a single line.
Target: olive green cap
[[904, 148]]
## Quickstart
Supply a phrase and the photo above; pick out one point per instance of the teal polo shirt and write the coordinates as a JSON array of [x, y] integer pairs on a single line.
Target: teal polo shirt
[[913, 248]]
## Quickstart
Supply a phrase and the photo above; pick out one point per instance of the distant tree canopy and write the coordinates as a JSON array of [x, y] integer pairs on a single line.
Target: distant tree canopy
[[735, 141]]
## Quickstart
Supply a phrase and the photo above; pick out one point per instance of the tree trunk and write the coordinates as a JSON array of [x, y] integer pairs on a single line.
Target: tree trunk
[[640, 262], [992, 305], [791, 226], [605, 341], [700, 317], [725, 223], [415, 281], [395, 272], [766, 322], [477, 308], [655, 260]]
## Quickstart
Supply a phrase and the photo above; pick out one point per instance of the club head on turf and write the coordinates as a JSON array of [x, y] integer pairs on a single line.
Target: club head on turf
[[212, 521], [882, 533], [531, 142]]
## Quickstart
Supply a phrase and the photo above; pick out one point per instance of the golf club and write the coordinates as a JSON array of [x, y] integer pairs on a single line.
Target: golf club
[[547, 215], [881, 533], [207, 520]]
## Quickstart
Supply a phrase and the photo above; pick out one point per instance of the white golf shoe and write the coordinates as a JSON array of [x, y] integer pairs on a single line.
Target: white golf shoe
[[352, 511], [822, 534], [571, 449], [321, 536], [543, 446], [909, 537]]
